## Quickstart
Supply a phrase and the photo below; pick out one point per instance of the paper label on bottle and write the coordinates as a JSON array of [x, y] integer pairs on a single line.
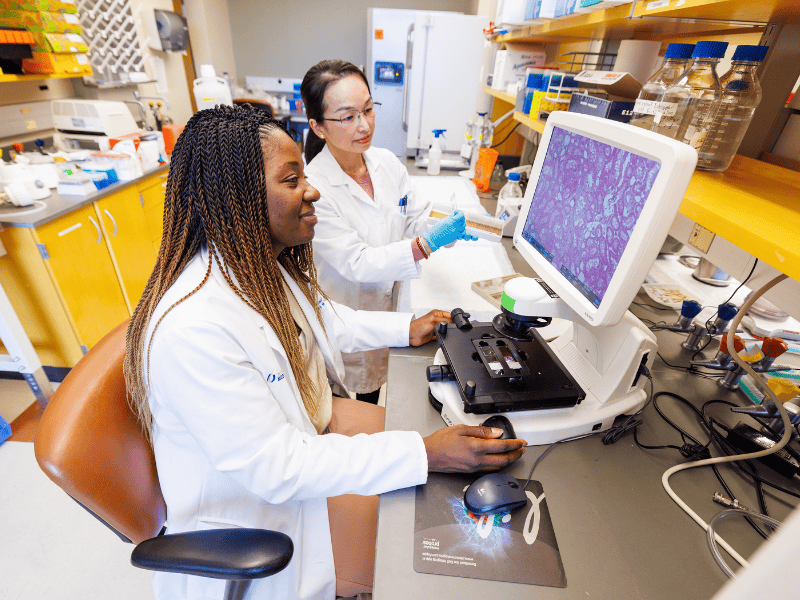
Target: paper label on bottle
[[654, 107]]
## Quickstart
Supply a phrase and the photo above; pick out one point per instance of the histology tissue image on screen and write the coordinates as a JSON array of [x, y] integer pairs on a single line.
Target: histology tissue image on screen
[[587, 200]]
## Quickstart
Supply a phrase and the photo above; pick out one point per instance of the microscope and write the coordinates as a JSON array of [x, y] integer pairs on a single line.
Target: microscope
[[594, 216]]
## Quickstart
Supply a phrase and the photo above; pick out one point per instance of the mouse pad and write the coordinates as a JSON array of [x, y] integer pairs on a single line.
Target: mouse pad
[[518, 547]]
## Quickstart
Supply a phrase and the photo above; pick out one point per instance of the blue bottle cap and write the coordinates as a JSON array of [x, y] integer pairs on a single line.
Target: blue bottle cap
[[513, 176], [750, 53], [679, 51], [690, 308], [710, 49], [726, 312]]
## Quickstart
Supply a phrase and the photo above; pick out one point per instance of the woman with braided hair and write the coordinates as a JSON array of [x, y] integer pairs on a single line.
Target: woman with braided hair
[[229, 356]]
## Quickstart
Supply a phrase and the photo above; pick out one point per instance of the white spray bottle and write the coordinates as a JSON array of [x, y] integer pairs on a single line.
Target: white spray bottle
[[435, 153]]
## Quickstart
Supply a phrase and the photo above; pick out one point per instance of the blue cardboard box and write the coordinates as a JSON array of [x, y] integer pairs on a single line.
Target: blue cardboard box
[[616, 110], [5, 430]]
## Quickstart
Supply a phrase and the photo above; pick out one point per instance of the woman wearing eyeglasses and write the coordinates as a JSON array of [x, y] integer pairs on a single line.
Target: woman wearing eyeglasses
[[371, 231]]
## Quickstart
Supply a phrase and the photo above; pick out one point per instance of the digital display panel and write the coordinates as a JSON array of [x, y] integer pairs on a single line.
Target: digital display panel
[[389, 73], [587, 200]]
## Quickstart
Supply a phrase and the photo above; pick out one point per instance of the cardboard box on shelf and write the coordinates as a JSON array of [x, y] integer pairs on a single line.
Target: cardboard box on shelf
[[511, 61], [48, 62], [59, 43], [620, 88], [618, 85], [40, 22], [616, 110]]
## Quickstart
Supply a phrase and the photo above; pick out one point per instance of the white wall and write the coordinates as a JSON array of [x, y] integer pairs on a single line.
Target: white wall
[[285, 38], [210, 35]]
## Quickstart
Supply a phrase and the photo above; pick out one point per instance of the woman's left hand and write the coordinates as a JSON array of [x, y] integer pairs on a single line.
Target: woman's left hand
[[422, 329]]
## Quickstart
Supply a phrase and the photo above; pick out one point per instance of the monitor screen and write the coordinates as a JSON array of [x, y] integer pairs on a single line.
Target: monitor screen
[[587, 201]]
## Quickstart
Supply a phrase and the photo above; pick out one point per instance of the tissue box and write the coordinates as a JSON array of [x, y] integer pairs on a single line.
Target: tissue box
[[511, 61], [616, 110]]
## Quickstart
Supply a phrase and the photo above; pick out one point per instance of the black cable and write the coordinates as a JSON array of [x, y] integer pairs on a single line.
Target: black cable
[[616, 432], [749, 275], [698, 451], [508, 136], [550, 447], [694, 451], [643, 305]]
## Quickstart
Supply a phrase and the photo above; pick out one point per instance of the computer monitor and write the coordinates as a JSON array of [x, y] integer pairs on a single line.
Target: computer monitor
[[601, 199]]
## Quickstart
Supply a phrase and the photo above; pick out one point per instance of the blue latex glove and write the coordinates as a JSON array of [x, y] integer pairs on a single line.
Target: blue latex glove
[[448, 230]]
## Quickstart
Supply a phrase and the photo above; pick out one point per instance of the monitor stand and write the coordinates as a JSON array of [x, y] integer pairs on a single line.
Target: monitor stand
[[605, 362]]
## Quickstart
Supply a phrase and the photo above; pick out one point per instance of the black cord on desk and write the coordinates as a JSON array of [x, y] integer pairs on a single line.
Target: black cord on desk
[[616, 432]]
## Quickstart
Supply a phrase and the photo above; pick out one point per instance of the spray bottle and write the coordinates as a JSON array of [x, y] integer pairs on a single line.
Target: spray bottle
[[435, 153]]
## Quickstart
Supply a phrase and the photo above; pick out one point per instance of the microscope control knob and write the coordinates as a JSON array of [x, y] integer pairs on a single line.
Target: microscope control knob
[[738, 344], [442, 327], [774, 347], [469, 390]]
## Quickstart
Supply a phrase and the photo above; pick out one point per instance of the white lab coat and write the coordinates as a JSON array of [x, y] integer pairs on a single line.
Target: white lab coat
[[234, 445], [362, 247]]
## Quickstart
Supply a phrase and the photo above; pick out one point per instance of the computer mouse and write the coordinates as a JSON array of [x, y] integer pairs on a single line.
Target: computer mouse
[[503, 423], [494, 493]]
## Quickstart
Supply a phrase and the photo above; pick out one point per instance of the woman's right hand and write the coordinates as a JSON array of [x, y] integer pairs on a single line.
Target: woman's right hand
[[449, 229], [465, 449]]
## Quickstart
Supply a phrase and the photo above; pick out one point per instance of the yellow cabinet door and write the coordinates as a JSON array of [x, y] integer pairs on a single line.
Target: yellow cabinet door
[[152, 193], [125, 229], [83, 272]]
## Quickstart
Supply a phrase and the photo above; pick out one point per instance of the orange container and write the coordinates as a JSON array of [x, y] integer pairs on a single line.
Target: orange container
[[484, 167], [171, 133]]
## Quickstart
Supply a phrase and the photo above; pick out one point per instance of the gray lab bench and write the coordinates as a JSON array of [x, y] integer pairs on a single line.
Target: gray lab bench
[[620, 535]]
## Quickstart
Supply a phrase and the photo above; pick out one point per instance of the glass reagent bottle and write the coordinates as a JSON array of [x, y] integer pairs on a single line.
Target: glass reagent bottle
[[696, 95], [650, 101], [741, 95]]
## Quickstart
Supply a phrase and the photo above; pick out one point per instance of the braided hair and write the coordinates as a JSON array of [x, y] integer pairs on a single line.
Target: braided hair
[[217, 196]]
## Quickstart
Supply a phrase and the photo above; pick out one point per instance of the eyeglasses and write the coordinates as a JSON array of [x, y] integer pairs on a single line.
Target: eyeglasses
[[350, 118]]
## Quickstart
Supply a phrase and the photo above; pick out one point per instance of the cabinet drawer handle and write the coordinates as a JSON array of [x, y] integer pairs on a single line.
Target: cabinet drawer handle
[[113, 221], [96, 226]]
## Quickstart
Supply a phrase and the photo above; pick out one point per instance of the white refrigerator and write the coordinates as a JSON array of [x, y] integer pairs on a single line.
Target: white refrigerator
[[424, 68]]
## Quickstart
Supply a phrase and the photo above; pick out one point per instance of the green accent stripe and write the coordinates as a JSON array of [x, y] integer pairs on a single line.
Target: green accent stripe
[[507, 302]]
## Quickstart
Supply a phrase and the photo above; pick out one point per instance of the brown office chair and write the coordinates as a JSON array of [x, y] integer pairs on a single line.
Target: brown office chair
[[91, 445], [255, 103]]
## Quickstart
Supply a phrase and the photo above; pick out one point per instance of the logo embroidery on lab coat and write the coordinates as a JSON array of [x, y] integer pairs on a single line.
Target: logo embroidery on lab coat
[[271, 377]]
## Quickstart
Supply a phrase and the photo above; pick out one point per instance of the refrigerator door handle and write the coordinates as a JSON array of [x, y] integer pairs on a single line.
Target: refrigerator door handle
[[409, 54]]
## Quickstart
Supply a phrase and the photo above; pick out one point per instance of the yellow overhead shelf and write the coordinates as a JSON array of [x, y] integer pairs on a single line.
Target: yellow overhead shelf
[[754, 205], [9, 78], [537, 126], [500, 95], [653, 20], [529, 122]]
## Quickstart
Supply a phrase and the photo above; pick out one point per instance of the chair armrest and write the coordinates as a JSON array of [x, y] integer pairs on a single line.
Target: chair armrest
[[232, 554]]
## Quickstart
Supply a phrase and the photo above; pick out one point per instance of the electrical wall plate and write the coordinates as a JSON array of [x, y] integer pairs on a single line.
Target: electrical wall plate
[[701, 238]]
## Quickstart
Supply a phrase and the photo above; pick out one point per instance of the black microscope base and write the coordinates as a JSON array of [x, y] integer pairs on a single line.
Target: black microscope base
[[543, 382]]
